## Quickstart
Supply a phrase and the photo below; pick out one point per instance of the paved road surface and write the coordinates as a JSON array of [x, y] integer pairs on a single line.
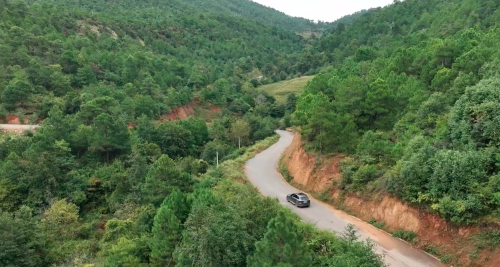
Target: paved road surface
[[261, 171], [17, 127]]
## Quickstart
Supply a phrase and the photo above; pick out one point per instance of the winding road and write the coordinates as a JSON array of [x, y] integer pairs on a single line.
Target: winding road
[[261, 172]]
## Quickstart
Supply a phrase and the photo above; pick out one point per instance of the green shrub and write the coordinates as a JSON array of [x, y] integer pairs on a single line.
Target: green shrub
[[374, 222], [445, 259], [432, 250], [408, 236], [286, 174], [488, 239]]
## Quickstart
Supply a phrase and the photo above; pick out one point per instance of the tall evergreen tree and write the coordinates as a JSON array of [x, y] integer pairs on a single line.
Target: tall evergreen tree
[[281, 246], [163, 177], [166, 234], [179, 204], [110, 135]]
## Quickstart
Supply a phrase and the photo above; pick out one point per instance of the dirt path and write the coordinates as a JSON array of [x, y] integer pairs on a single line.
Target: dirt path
[[261, 171], [17, 127]]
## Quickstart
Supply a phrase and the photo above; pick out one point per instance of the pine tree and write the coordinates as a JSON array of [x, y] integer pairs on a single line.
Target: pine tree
[[110, 135], [281, 246], [166, 234], [18, 90], [85, 76], [163, 177], [178, 203]]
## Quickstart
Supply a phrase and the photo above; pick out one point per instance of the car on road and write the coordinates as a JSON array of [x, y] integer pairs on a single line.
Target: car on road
[[298, 199]]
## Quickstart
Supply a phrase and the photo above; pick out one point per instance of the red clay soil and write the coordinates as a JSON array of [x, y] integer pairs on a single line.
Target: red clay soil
[[215, 108], [211, 107], [179, 113], [322, 175], [184, 112], [11, 119]]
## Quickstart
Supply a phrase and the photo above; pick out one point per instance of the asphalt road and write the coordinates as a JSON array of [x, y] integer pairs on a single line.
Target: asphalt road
[[262, 172]]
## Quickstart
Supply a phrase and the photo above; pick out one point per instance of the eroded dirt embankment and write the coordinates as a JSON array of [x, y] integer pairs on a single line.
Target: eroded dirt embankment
[[179, 113], [12, 119], [186, 111], [321, 176]]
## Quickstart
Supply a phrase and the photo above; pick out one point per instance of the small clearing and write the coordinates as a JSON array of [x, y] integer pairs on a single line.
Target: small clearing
[[280, 90]]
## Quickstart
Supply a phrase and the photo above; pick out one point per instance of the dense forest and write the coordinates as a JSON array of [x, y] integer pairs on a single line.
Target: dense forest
[[348, 19], [253, 11], [50, 51], [410, 95], [105, 180]]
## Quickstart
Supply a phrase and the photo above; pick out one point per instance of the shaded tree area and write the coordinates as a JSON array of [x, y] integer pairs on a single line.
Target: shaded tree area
[[410, 95]]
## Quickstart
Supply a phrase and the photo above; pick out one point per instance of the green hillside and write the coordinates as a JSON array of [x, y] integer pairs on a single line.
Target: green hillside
[[254, 11], [410, 94], [106, 181], [57, 55], [244, 9], [348, 19]]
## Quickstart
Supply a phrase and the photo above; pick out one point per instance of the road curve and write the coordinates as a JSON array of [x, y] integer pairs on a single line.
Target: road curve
[[261, 172]]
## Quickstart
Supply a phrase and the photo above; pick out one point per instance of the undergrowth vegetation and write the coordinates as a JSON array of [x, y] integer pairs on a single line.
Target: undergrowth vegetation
[[284, 171]]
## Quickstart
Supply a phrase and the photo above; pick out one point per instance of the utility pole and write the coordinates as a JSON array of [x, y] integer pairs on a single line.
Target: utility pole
[[239, 142], [217, 159]]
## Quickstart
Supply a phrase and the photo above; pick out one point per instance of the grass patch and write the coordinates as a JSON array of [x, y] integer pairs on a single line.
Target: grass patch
[[281, 90], [408, 236], [474, 255], [433, 250], [284, 170], [286, 174], [374, 222], [445, 259], [324, 197], [489, 239], [205, 113]]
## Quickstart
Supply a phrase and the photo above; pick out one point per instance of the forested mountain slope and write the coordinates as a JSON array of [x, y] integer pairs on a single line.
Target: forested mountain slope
[[54, 49], [105, 180], [410, 95], [254, 11], [245, 9], [402, 24], [348, 19]]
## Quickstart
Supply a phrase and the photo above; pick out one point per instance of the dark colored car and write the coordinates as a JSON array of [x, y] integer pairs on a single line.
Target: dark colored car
[[298, 199]]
